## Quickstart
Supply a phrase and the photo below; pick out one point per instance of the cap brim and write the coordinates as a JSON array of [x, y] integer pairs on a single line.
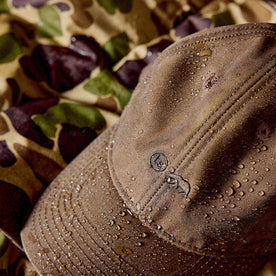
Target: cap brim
[[80, 226]]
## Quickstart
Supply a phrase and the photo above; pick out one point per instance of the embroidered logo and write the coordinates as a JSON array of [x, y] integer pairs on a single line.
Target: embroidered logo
[[158, 162], [181, 185]]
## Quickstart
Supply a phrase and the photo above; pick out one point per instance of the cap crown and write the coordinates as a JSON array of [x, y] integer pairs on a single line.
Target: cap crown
[[194, 152]]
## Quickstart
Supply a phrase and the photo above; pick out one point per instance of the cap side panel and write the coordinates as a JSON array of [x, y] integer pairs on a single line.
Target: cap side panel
[[179, 133], [150, 189], [201, 224]]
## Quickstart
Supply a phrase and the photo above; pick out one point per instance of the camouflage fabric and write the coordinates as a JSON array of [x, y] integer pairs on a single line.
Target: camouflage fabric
[[67, 70]]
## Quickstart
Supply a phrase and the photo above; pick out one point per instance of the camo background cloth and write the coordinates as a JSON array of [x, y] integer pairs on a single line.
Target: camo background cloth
[[67, 70]]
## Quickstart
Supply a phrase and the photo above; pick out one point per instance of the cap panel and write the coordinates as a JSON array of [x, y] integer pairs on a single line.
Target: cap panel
[[232, 188], [198, 94]]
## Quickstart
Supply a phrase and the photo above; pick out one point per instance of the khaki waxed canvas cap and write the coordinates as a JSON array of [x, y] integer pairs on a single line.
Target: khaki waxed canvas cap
[[184, 183]]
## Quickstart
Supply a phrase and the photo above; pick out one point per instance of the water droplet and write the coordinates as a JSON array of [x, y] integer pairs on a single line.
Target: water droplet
[[250, 190], [241, 166], [172, 146], [267, 169], [122, 213], [264, 148], [123, 251], [236, 184], [140, 131], [235, 218], [241, 193], [158, 227], [139, 244], [229, 191], [232, 205], [232, 171], [115, 237], [261, 193], [149, 110], [118, 227], [183, 206], [254, 182], [111, 222], [205, 52], [143, 235], [245, 180]]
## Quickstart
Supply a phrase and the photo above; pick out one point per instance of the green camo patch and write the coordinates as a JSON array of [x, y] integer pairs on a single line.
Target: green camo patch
[[50, 22], [78, 115], [222, 19], [9, 48], [110, 5], [4, 8], [104, 84], [117, 47]]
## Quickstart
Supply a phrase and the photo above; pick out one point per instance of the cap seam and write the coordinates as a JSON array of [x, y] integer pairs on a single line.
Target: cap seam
[[265, 31]]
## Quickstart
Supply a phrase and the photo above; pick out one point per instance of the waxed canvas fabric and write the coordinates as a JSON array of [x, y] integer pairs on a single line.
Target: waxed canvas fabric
[[190, 163]]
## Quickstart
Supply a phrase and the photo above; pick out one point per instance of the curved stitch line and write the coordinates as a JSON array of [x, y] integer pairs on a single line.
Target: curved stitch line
[[76, 266], [172, 236], [84, 242], [59, 199], [46, 240], [100, 237], [38, 240], [206, 132]]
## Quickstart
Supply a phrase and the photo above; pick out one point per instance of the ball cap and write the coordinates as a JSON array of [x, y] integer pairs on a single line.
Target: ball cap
[[185, 182]]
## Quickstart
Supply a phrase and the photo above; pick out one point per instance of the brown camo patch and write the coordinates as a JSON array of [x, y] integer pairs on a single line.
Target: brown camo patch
[[3, 126], [43, 167], [80, 16]]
